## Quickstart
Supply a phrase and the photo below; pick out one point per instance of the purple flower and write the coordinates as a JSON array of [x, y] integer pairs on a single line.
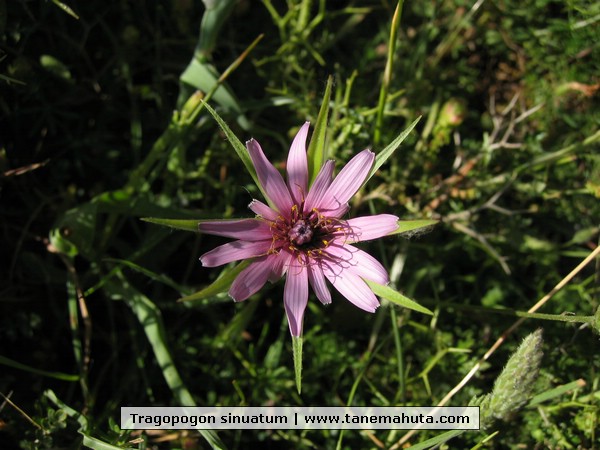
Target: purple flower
[[302, 235]]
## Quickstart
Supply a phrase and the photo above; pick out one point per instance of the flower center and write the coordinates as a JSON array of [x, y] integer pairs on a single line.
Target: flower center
[[306, 235], [301, 232]]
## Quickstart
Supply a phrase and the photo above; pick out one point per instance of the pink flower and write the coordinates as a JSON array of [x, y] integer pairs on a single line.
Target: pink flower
[[302, 235]]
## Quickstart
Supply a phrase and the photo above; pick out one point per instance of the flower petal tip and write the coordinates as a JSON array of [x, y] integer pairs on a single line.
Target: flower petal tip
[[233, 298]]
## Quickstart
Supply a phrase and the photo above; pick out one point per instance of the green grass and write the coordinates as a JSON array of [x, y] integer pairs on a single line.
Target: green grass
[[100, 127]]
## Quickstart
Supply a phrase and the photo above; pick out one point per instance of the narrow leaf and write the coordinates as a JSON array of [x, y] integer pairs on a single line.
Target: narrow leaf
[[437, 440], [221, 284], [150, 274], [384, 154], [396, 297], [411, 226], [66, 8], [239, 148], [316, 148], [180, 224], [17, 365], [297, 350], [97, 444], [556, 392]]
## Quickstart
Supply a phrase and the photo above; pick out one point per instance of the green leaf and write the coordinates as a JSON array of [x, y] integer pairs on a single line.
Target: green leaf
[[97, 444], [557, 392], [152, 275], [180, 224], [129, 203], [437, 440], [239, 148], [221, 284], [201, 75], [212, 21], [384, 154], [66, 8], [396, 297], [411, 226], [297, 350], [316, 148], [17, 365]]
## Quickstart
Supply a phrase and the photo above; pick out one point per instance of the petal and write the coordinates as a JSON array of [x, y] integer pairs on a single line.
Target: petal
[[319, 186], [348, 181], [246, 229], [371, 227], [335, 213], [317, 281], [266, 212], [234, 251], [270, 179], [280, 265], [359, 263], [297, 165], [252, 278], [295, 296], [352, 287]]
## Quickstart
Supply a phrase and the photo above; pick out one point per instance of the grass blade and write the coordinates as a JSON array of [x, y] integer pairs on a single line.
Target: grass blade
[[57, 375]]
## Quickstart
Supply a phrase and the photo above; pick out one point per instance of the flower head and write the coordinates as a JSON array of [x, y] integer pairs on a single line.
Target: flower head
[[302, 234]]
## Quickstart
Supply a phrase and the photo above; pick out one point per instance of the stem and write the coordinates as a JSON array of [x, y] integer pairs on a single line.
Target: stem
[[387, 74]]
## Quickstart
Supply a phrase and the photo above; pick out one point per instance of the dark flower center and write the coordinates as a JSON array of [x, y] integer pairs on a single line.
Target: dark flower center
[[301, 232], [305, 234]]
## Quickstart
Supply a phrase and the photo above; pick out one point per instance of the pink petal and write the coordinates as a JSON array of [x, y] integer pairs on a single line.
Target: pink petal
[[348, 181], [270, 179], [359, 263], [252, 278], [234, 251], [317, 281], [352, 287], [280, 265], [371, 227], [297, 165], [319, 186], [295, 296], [335, 213], [246, 229], [263, 210]]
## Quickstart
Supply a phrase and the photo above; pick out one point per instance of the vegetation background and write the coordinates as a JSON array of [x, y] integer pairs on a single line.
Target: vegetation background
[[505, 156]]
